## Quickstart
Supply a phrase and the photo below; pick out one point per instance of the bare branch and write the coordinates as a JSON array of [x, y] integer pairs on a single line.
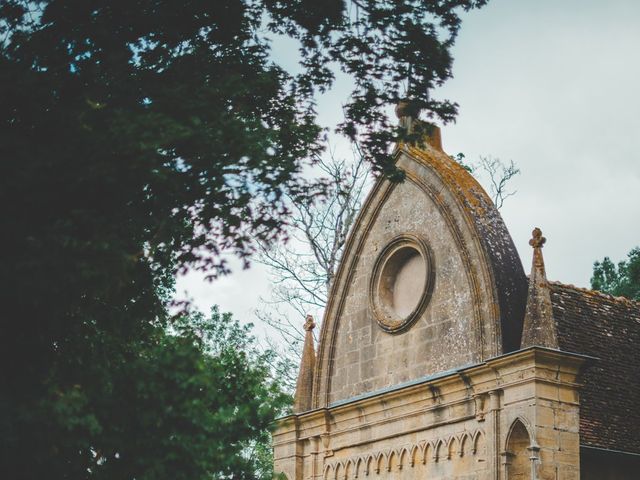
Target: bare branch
[[303, 269], [499, 176]]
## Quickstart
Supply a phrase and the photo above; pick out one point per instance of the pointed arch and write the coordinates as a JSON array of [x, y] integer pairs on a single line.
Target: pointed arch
[[479, 443], [522, 421], [348, 469], [403, 458], [438, 450], [392, 460], [413, 455], [426, 449], [466, 445], [465, 455], [451, 448], [328, 470], [359, 465], [369, 464], [339, 471], [519, 441], [487, 264], [380, 459]]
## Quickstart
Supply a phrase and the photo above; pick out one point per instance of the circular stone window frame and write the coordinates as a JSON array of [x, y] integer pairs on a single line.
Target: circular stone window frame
[[385, 316]]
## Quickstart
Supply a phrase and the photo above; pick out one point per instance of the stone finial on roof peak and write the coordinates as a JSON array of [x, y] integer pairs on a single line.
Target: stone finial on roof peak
[[537, 240], [304, 386], [408, 112], [539, 325], [309, 323]]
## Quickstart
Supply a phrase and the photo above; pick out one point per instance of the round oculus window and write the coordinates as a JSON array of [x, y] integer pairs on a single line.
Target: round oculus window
[[401, 283]]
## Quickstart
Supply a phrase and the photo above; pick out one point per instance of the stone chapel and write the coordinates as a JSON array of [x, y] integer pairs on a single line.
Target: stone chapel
[[439, 358]]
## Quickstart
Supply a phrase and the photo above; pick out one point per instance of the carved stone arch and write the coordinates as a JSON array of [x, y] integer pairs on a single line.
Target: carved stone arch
[[414, 455], [338, 473], [348, 469], [426, 449], [452, 447], [380, 462], [466, 444], [442, 204], [526, 425], [391, 460], [328, 471], [518, 447], [370, 463], [439, 450], [403, 458], [478, 442], [359, 465]]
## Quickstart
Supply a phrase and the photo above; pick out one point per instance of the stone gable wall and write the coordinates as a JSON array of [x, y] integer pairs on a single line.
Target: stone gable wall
[[461, 323], [366, 357]]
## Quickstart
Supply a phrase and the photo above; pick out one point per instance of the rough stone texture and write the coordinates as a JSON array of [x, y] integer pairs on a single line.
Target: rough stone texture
[[458, 425], [501, 256], [408, 285], [441, 339], [608, 328], [539, 325], [479, 288], [304, 385]]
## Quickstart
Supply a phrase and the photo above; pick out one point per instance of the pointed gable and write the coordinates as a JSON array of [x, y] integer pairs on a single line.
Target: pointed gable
[[430, 281]]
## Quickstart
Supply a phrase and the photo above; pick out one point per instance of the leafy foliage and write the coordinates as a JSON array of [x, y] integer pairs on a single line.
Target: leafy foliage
[[194, 403], [621, 280], [143, 137]]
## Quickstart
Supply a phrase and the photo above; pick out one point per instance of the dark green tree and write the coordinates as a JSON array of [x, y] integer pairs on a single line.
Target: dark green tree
[[621, 280], [139, 138], [194, 401]]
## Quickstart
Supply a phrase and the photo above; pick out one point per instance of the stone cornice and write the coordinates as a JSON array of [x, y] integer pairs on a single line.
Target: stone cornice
[[445, 390]]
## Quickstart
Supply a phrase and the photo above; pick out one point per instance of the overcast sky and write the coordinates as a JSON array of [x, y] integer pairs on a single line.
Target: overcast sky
[[554, 86]]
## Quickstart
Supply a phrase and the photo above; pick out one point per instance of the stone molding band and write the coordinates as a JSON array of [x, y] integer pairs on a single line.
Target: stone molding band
[[449, 448]]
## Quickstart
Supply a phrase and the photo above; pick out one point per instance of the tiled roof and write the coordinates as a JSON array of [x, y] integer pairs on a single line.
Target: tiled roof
[[608, 328]]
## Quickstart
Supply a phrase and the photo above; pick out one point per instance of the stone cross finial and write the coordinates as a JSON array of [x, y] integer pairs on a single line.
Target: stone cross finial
[[539, 329], [304, 387], [309, 324], [538, 240]]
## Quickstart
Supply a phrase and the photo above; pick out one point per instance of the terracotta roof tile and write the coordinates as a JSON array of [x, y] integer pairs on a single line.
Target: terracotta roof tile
[[606, 327]]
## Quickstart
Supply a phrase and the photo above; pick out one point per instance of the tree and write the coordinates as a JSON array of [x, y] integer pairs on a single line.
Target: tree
[[495, 172], [301, 270], [144, 137], [622, 280], [193, 402]]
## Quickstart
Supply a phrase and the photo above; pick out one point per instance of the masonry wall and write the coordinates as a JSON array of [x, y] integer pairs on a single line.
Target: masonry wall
[[366, 357], [460, 325], [460, 425]]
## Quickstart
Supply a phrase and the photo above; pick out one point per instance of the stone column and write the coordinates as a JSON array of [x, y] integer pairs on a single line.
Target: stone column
[[493, 434]]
